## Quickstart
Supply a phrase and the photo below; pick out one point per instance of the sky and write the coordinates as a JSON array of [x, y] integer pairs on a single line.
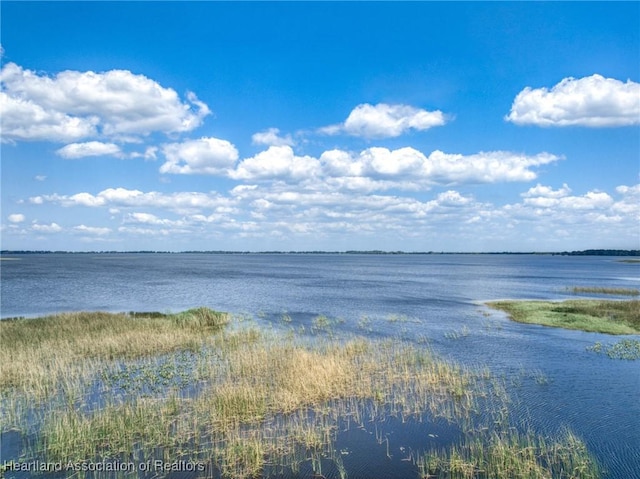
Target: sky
[[300, 126]]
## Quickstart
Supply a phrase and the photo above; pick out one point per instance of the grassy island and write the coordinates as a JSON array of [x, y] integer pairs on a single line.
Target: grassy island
[[244, 400], [601, 316]]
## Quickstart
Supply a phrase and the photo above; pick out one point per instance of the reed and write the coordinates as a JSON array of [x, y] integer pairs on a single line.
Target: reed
[[509, 454], [601, 290], [39, 353], [244, 401]]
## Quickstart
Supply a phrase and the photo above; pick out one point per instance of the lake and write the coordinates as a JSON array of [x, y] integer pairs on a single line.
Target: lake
[[412, 296]]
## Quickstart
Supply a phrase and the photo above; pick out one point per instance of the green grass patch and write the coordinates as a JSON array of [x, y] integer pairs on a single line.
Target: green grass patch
[[609, 317]]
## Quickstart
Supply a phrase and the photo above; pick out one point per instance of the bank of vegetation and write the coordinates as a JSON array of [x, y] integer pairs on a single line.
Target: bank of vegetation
[[248, 402], [602, 316]]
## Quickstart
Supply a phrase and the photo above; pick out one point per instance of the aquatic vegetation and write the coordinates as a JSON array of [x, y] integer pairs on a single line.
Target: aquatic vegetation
[[455, 334], [39, 353], [625, 349], [245, 402], [601, 290], [610, 317], [509, 454]]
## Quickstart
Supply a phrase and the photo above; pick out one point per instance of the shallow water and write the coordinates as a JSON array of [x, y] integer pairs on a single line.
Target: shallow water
[[556, 382]]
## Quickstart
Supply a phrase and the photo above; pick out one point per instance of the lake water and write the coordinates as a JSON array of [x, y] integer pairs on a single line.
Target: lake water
[[440, 296]]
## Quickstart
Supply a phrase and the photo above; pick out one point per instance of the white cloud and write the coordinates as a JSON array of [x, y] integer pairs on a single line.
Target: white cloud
[[385, 121], [150, 219], [122, 197], [50, 228], [93, 230], [206, 156], [149, 153], [592, 101], [547, 198], [631, 191], [24, 120], [148, 232], [73, 105], [271, 137], [452, 198], [90, 148], [382, 169], [546, 192], [40, 177], [629, 204], [439, 167], [277, 162], [16, 218], [319, 214]]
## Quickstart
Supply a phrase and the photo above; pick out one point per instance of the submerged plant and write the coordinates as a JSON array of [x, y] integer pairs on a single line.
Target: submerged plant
[[624, 349]]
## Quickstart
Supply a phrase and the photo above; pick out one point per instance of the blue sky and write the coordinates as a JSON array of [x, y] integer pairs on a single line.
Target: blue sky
[[320, 126]]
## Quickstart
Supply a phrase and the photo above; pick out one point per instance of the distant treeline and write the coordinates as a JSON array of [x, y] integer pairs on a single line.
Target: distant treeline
[[588, 252], [602, 252]]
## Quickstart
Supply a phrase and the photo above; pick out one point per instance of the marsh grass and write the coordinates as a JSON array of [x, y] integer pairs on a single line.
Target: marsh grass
[[39, 353], [244, 401], [270, 402], [601, 290], [509, 454], [610, 317]]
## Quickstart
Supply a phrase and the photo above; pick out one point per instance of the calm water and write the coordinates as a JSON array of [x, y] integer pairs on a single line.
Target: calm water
[[440, 295]]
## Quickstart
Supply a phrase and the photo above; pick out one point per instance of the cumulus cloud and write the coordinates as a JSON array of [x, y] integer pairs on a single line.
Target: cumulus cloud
[[50, 228], [629, 204], [122, 197], [24, 120], [206, 156], [16, 218], [149, 219], [561, 205], [438, 167], [380, 168], [277, 162], [318, 211], [74, 105], [385, 121], [271, 137], [589, 201], [592, 101], [540, 191], [90, 148], [92, 230]]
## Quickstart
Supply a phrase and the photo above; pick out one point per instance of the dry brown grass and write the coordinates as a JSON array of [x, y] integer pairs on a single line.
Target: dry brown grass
[[38, 353]]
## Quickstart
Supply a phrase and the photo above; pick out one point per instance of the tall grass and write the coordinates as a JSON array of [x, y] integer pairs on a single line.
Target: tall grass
[[240, 400], [602, 290], [512, 455], [39, 353]]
